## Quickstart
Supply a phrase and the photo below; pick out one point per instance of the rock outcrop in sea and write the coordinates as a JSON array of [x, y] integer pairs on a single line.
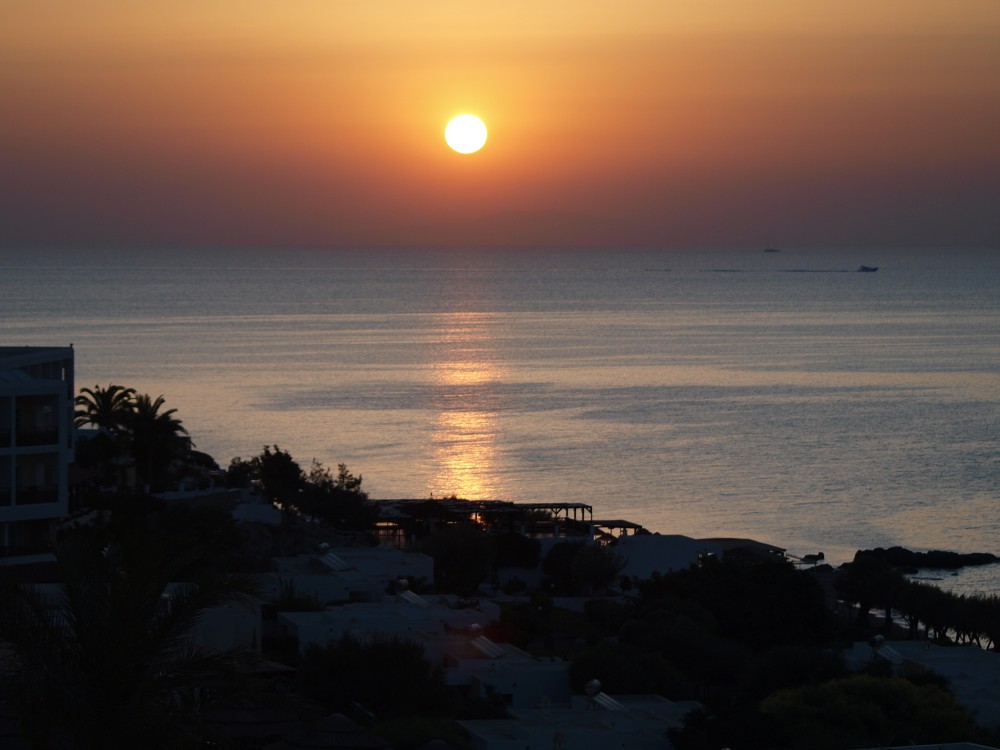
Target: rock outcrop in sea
[[901, 557]]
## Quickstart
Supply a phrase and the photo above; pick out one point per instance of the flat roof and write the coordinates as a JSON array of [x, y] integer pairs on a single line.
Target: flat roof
[[619, 524], [32, 354], [731, 543], [386, 507]]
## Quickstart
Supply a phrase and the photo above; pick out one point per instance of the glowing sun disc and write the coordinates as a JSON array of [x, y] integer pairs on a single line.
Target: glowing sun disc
[[465, 134]]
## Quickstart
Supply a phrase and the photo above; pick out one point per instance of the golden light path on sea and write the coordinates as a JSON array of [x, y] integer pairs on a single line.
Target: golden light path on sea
[[465, 440]]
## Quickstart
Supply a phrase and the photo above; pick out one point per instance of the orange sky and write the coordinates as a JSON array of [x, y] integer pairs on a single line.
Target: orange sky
[[639, 122]]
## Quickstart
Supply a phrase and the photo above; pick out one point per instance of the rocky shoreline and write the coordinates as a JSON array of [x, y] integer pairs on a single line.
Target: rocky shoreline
[[909, 561]]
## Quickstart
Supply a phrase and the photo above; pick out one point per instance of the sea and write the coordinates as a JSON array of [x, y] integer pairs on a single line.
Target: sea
[[777, 394]]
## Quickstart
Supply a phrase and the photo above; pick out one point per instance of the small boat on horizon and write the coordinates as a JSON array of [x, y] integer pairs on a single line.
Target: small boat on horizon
[[867, 269]]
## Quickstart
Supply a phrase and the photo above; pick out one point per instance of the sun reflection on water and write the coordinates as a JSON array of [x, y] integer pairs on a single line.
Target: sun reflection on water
[[466, 378]]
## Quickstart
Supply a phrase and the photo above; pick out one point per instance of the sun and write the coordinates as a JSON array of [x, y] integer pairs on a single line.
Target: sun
[[466, 134]]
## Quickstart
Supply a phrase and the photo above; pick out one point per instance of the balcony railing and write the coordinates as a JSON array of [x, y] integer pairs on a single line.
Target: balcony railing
[[18, 550], [37, 437], [35, 495]]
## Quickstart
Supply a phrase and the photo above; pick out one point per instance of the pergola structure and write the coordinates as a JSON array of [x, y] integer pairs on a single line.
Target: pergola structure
[[540, 519], [609, 529], [400, 519]]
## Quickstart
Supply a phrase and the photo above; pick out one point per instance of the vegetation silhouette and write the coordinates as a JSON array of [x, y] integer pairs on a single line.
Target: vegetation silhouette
[[157, 439], [872, 581], [757, 643], [133, 431], [109, 661], [335, 500], [108, 410], [863, 711]]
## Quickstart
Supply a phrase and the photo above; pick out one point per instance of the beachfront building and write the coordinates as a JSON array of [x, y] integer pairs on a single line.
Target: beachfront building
[[348, 574], [36, 444], [644, 555], [482, 667], [406, 615]]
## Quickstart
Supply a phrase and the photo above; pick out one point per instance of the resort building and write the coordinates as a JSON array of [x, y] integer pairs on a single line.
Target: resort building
[[407, 616], [347, 574], [644, 555], [521, 680], [36, 444]]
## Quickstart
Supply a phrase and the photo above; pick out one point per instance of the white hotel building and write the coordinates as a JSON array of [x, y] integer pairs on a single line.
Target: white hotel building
[[36, 443]]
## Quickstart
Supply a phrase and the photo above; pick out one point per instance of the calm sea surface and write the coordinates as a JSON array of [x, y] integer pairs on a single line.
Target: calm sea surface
[[779, 396]]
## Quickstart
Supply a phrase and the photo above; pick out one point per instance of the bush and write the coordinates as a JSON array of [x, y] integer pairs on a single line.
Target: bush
[[463, 558], [582, 568], [867, 711], [387, 676], [606, 615], [516, 551], [628, 670]]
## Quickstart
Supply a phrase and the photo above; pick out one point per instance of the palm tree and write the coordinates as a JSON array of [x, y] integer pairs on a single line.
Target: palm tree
[[105, 408], [109, 410], [110, 662], [158, 438]]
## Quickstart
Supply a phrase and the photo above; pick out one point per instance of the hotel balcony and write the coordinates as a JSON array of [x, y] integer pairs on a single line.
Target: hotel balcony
[[31, 438], [37, 495]]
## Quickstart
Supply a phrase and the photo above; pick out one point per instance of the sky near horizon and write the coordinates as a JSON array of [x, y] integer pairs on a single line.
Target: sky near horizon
[[640, 122]]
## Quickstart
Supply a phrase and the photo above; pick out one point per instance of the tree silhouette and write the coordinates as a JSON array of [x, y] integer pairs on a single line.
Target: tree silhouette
[[871, 581], [273, 472], [108, 409], [387, 675], [157, 439], [865, 711], [109, 661], [337, 500], [320, 495]]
